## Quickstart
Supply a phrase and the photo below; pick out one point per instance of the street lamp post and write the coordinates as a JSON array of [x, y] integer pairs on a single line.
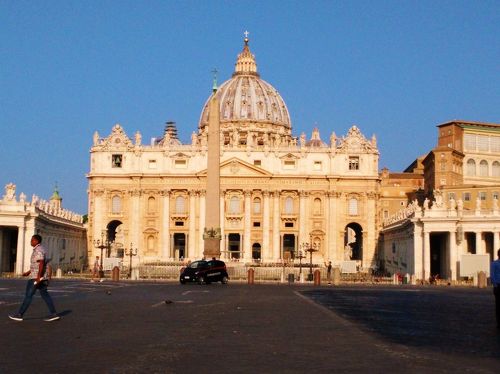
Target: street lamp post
[[300, 256], [130, 252], [309, 247], [101, 244]]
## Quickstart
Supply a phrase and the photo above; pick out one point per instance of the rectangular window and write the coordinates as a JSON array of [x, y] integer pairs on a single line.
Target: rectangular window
[[353, 163], [288, 224], [495, 144], [466, 196], [483, 142], [152, 164], [116, 161], [482, 196], [495, 195], [317, 165], [257, 162], [289, 164], [256, 224], [386, 214], [180, 164], [179, 223], [451, 196], [470, 142]]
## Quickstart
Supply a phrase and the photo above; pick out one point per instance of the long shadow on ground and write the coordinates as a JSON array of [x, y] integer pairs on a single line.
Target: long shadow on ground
[[446, 320]]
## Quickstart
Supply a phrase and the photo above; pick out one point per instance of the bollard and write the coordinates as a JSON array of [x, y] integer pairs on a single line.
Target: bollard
[[59, 273], [336, 276], [317, 277], [115, 274], [481, 279], [250, 276]]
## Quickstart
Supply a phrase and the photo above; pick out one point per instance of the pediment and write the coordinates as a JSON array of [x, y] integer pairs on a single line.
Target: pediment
[[118, 140], [355, 142], [289, 156], [236, 167]]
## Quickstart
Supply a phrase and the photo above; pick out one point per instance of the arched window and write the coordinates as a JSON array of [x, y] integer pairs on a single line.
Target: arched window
[[495, 169], [471, 167], [116, 204], [483, 168], [289, 205], [256, 205], [180, 205], [317, 207], [151, 205], [353, 207], [234, 205], [151, 243]]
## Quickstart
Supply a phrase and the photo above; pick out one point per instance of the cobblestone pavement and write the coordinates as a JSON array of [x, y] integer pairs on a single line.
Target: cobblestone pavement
[[129, 327]]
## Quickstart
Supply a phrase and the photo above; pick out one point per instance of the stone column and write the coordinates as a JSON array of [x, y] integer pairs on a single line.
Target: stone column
[[370, 232], [303, 237], [247, 253], [479, 243], [223, 242], [496, 243], [165, 226], [97, 218], [332, 228], [135, 229], [192, 225], [427, 256], [201, 241], [22, 258], [418, 249], [266, 250], [452, 249], [1, 251], [326, 245], [276, 226]]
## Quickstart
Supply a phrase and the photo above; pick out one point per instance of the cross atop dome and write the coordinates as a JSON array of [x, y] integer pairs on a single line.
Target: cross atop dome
[[245, 64]]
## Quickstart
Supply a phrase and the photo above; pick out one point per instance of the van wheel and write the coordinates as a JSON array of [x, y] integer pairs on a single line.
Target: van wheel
[[224, 280], [201, 280]]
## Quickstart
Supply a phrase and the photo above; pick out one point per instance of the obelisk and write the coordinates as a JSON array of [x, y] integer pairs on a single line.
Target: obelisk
[[212, 232]]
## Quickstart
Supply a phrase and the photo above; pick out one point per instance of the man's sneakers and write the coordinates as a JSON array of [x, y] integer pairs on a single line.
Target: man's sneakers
[[19, 318], [52, 317], [16, 317]]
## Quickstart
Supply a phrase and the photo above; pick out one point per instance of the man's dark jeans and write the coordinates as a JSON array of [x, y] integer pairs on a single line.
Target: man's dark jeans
[[30, 292], [496, 291]]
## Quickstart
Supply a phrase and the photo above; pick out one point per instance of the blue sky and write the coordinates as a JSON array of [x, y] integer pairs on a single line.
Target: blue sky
[[394, 68]]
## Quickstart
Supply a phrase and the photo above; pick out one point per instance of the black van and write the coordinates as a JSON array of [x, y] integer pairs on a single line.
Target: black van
[[205, 272]]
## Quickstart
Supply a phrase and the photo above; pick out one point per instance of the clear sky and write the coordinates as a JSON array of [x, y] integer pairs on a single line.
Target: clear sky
[[394, 68]]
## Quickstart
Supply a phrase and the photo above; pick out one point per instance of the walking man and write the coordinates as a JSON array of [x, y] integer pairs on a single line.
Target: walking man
[[38, 274], [95, 270], [495, 280]]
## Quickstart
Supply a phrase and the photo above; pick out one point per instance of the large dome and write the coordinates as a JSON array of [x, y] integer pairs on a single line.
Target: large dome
[[248, 104]]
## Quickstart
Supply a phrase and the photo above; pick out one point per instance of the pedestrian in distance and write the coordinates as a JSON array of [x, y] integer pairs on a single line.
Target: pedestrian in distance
[[329, 272], [495, 280], [39, 274], [96, 268]]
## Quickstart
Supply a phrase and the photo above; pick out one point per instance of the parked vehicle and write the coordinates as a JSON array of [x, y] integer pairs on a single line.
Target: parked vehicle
[[205, 272]]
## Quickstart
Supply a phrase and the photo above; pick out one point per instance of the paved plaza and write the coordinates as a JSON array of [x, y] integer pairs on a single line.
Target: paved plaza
[[141, 327]]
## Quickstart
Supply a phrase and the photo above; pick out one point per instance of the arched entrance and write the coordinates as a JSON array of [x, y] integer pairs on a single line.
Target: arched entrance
[[353, 242], [233, 245], [256, 253], [179, 245], [8, 249], [288, 246], [116, 237]]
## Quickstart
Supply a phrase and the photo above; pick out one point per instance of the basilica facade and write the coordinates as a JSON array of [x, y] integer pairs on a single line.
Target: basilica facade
[[280, 193]]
